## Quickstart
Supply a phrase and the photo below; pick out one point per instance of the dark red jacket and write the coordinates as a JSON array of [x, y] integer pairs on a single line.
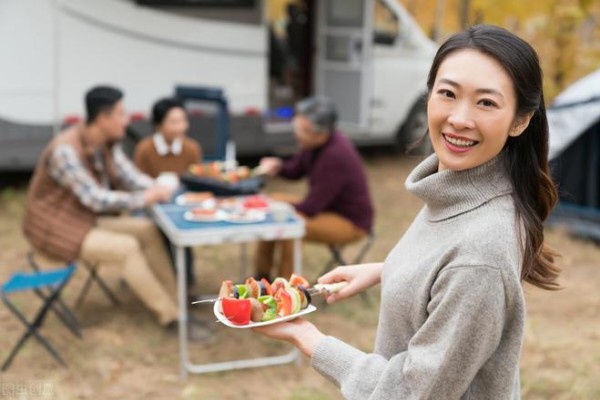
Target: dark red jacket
[[337, 181]]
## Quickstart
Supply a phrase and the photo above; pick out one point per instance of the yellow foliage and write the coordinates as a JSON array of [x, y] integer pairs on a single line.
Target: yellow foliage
[[565, 33]]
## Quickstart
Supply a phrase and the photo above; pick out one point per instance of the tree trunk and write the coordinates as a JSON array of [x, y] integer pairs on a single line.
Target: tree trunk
[[464, 14], [436, 29]]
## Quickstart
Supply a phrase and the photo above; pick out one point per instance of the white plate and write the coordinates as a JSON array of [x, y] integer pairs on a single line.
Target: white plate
[[228, 204], [251, 324], [248, 217], [182, 201], [219, 215]]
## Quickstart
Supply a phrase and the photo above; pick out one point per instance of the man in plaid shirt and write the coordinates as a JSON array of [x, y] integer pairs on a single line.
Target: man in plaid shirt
[[86, 170]]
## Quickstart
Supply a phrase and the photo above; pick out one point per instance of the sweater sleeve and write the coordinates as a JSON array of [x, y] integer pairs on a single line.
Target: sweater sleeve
[[324, 189], [293, 168], [67, 169], [140, 159], [197, 157], [128, 174], [462, 331]]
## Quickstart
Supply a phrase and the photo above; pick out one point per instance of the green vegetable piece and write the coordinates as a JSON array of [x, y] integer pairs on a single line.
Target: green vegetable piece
[[242, 291], [270, 314]]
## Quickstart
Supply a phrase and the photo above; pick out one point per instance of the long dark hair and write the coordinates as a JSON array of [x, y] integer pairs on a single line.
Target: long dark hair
[[534, 192]]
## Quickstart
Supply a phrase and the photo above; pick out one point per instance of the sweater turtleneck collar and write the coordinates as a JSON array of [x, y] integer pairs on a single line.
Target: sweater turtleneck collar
[[449, 193]]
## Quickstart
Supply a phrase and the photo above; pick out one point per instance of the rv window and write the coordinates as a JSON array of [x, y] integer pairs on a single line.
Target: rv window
[[386, 25], [239, 11], [198, 3]]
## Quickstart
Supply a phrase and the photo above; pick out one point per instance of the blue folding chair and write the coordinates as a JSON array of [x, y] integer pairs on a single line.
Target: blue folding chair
[[93, 276], [48, 285]]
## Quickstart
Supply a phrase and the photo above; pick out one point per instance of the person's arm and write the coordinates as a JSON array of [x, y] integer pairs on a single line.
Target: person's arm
[[197, 152], [327, 186], [305, 335], [294, 168], [466, 318], [67, 169], [129, 176], [358, 277], [140, 159]]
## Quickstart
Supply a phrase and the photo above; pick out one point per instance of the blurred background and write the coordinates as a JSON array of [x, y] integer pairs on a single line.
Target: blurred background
[[257, 58]]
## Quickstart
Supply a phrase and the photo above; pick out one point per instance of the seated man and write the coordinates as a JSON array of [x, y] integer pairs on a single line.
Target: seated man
[[337, 208], [170, 150], [82, 181]]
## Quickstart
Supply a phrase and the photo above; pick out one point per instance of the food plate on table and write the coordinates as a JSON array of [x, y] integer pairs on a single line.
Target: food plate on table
[[256, 202], [246, 216], [201, 214], [228, 203], [193, 198]]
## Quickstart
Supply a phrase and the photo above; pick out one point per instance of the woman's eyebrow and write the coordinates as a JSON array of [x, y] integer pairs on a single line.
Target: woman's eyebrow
[[480, 90]]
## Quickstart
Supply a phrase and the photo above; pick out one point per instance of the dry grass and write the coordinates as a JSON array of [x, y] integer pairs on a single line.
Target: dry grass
[[125, 355]]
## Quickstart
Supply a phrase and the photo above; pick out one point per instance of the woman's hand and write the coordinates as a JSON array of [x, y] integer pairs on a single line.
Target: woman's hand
[[359, 277], [299, 332]]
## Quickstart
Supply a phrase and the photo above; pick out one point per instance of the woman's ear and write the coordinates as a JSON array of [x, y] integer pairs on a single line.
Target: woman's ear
[[521, 123]]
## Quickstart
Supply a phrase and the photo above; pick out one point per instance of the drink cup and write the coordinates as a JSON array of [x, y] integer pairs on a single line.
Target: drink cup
[[168, 179], [280, 211]]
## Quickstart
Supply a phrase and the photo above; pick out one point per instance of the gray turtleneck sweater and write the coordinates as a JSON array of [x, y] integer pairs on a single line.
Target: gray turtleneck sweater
[[452, 307]]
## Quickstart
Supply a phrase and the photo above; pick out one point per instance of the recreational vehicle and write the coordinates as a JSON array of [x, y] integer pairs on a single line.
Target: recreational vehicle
[[263, 55]]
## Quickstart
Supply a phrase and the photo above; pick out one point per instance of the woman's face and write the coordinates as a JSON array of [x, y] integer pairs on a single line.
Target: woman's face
[[175, 124], [471, 110]]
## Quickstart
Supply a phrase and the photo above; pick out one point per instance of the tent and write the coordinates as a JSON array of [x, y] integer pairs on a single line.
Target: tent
[[574, 119]]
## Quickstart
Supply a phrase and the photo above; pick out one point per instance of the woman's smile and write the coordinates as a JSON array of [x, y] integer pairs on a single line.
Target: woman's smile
[[458, 144]]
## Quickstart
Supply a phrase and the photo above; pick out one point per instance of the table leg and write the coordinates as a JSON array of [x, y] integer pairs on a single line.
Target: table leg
[[298, 256], [243, 262], [182, 300]]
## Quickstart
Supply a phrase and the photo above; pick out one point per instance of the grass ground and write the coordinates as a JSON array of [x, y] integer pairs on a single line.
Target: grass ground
[[125, 355]]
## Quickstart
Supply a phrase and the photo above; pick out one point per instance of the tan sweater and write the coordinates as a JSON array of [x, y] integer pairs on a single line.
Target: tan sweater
[[452, 307], [149, 161]]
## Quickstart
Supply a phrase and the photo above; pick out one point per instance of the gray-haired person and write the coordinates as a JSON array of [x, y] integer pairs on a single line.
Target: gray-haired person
[[337, 208]]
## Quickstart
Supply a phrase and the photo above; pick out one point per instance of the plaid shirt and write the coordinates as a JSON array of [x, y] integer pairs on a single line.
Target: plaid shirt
[[66, 168]]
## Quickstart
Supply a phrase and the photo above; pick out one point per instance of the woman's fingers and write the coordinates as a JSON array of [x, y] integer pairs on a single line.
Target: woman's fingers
[[333, 276], [281, 330]]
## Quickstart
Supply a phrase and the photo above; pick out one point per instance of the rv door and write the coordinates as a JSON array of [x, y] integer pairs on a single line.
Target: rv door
[[344, 59]]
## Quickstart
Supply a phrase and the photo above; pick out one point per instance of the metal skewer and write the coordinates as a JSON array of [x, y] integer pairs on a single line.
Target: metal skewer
[[319, 288]]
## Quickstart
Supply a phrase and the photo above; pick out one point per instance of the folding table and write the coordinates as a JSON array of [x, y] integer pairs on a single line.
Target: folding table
[[183, 233]]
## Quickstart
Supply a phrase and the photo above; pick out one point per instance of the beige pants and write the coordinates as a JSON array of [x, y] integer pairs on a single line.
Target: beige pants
[[134, 244], [328, 228]]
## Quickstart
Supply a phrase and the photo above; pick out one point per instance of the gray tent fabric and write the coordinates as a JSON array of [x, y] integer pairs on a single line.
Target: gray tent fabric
[[573, 112], [574, 120]]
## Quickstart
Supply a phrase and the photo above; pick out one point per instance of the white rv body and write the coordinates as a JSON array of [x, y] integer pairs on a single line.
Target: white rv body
[[55, 50]]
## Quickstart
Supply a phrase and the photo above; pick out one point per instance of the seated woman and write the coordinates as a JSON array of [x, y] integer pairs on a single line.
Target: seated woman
[[170, 150], [337, 208]]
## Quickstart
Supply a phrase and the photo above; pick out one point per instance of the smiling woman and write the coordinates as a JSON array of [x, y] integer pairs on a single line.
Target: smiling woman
[[452, 306], [470, 115]]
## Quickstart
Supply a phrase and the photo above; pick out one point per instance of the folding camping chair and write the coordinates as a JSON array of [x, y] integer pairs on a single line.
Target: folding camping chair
[[92, 277], [48, 285], [338, 258]]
